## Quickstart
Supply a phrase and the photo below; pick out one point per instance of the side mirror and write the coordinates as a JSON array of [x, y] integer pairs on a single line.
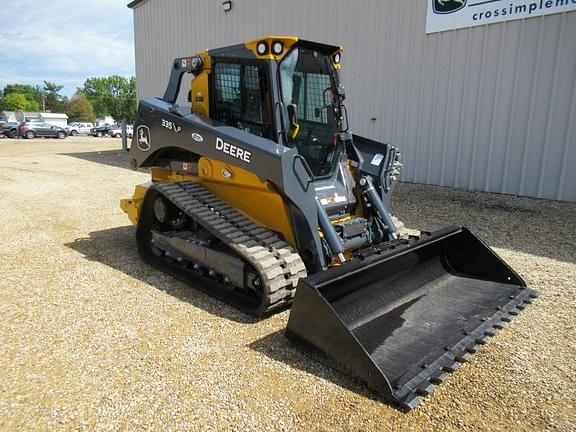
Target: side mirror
[[293, 118]]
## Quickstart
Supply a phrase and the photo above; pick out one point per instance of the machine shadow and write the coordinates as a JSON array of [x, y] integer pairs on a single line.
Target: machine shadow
[[276, 347], [116, 248], [115, 158]]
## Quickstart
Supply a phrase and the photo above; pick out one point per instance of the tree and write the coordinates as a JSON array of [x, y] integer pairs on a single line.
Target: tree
[[53, 101], [33, 106], [27, 90], [80, 109], [51, 87], [32, 94], [95, 90], [113, 95], [18, 102], [123, 102]]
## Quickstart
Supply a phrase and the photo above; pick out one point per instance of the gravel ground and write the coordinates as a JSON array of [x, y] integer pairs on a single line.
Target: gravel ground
[[92, 339]]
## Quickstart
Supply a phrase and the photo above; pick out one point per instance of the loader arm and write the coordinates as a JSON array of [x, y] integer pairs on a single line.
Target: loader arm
[[180, 66]]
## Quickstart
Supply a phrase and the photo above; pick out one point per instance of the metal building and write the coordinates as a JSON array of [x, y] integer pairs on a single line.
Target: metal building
[[488, 107]]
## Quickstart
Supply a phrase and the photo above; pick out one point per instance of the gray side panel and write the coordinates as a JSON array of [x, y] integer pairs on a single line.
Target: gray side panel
[[489, 108], [277, 164]]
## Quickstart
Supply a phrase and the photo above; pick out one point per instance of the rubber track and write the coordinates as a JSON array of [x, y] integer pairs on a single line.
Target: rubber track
[[278, 265]]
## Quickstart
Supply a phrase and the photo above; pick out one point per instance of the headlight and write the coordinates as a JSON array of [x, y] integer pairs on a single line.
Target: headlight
[[262, 48], [277, 48], [336, 58]]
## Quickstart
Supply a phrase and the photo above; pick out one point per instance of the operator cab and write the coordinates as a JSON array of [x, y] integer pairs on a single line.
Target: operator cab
[[283, 89]]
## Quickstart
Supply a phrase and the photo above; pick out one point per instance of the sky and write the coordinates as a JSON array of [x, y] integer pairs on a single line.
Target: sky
[[65, 41]]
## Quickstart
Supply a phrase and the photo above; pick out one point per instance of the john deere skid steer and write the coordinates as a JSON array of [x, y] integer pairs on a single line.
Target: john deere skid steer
[[263, 197]]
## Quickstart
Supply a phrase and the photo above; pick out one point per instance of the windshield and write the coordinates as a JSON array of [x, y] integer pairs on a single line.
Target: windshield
[[308, 89]]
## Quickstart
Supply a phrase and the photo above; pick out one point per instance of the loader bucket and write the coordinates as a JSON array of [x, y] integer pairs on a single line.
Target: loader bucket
[[401, 318]]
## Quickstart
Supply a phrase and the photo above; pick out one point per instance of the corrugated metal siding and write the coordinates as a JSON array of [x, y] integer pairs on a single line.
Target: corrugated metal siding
[[489, 108]]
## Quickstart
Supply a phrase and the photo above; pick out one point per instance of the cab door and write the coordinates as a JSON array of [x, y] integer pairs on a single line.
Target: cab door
[[242, 97]]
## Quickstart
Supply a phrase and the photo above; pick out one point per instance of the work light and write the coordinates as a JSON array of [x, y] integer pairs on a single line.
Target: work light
[[262, 48], [277, 48]]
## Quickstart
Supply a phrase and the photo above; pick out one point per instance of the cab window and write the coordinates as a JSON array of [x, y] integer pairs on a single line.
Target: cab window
[[241, 98]]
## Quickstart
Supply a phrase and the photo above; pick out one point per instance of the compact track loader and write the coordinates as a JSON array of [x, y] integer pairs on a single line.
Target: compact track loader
[[263, 197]]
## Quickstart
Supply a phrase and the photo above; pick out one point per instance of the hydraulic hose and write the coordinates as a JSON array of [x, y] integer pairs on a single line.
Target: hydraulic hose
[[334, 241], [374, 199]]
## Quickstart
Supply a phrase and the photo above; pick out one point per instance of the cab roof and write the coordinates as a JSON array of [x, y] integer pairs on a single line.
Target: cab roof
[[249, 49]]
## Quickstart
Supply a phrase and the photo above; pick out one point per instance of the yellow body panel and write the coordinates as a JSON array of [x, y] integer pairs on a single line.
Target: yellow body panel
[[200, 89], [245, 192], [164, 175], [131, 206], [287, 41], [241, 189]]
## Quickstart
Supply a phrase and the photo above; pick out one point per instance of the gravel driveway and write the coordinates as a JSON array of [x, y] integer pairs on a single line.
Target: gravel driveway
[[93, 339]]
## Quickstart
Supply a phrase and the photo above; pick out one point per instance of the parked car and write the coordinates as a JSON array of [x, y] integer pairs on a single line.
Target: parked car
[[38, 129], [79, 128], [9, 129], [117, 133], [103, 130]]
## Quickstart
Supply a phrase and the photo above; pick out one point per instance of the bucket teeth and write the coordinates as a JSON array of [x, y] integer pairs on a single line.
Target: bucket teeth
[[482, 340], [425, 389], [462, 357], [412, 403], [472, 349], [490, 332], [451, 367], [438, 377]]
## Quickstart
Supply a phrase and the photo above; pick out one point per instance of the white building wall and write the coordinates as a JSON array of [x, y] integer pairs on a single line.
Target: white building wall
[[55, 119], [489, 108]]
